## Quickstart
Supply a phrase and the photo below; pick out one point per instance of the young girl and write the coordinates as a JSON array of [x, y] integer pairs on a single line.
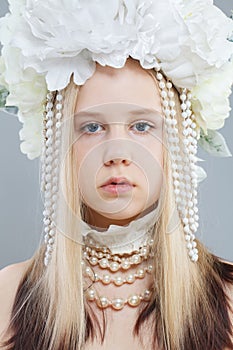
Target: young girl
[[119, 267]]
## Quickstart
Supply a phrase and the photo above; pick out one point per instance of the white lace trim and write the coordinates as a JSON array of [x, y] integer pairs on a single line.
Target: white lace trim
[[123, 239]]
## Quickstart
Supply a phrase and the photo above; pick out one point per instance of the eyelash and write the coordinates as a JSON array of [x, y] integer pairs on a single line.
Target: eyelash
[[137, 132]]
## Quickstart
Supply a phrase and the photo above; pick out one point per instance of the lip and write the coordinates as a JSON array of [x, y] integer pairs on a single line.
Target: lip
[[117, 180], [117, 188]]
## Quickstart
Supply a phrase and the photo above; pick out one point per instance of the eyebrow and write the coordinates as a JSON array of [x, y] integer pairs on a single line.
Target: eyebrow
[[146, 111]]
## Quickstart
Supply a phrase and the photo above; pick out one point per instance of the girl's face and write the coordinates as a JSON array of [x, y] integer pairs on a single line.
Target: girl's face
[[118, 126]]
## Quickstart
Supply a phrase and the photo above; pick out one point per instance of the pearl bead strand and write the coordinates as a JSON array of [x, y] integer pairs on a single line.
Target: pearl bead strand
[[190, 219], [117, 280], [50, 170], [183, 169], [117, 303]]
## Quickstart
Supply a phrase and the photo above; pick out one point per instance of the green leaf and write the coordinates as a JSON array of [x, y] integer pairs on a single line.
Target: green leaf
[[214, 143], [3, 95]]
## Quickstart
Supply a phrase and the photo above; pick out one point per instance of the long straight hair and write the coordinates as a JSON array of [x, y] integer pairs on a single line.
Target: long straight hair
[[189, 310]]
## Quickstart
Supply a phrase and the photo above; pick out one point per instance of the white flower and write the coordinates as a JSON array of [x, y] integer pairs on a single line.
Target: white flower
[[44, 42], [59, 38], [210, 98], [27, 91], [32, 135]]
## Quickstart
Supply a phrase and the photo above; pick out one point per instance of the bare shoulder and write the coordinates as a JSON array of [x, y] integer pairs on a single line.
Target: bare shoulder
[[10, 277]]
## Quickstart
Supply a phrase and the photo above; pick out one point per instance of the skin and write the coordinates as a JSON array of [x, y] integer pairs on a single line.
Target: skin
[[118, 147]]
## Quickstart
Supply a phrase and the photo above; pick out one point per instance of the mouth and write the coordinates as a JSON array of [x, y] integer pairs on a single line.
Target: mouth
[[118, 181], [117, 185]]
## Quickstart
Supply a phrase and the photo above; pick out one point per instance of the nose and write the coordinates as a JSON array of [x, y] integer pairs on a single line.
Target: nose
[[118, 160]]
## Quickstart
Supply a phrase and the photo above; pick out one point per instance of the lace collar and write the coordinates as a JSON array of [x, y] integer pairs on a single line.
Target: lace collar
[[123, 239]]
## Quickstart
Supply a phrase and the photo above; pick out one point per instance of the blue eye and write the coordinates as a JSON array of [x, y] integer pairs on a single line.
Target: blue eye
[[92, 128], [142, 126]]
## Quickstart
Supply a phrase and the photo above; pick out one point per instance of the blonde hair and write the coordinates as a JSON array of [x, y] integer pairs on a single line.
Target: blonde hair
[[182, 289]]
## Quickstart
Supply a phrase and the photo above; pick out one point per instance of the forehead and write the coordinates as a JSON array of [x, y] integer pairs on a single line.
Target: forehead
[[129, 84], [116, 111]]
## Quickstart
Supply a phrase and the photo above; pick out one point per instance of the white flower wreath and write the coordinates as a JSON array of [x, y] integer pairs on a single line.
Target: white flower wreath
[[44, 43]]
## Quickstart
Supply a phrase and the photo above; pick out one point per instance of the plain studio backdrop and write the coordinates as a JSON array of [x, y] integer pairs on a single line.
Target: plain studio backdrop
[[21, 204]]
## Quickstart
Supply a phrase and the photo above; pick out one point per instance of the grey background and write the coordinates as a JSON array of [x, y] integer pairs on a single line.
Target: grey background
[[21, 205]]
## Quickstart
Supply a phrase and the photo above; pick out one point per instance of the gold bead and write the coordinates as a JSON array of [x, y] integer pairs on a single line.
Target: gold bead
[[118, 303], [134, 300]]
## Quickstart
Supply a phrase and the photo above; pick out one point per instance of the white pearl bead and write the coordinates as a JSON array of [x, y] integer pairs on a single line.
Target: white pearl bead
[[171, 94], [49, 132], [130, 278], [114, 266], [49, 123], [183, 106], [58, 116], [185, 221], [118, 303], [173, 112], [59, 106], [49, 106], [106, 279], [161, 85], [59, 97], [163, 94], [183, 97], [118, 280], [103, 263], [191, 253], [134, 300]]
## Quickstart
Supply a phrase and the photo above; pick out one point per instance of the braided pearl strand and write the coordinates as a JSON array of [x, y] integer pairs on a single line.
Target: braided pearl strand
[[50, 170], [183, 168]]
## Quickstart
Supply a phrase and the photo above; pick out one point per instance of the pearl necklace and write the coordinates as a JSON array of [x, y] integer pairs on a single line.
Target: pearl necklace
[[117, 303], [117, 280], [114, 262]]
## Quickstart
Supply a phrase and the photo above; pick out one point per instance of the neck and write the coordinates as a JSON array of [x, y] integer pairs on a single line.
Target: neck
[[96, 220]]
